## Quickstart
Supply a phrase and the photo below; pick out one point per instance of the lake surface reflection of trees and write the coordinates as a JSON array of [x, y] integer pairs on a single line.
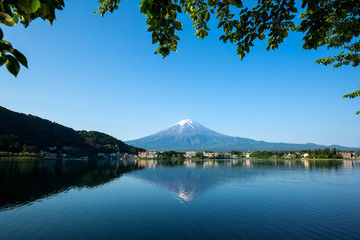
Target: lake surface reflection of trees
[[188, 179], [248, 163], [22, 182]]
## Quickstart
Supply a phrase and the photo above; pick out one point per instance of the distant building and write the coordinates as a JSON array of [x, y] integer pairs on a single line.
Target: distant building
[[289, 155], [189, 154], [148, 154], [142, 154], [305, 155], [248, 154], [210, 154], [152, 154], [346, 155]]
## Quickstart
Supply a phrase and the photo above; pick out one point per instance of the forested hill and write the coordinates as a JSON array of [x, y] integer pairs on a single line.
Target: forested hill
[[24, 132], [101, 142]]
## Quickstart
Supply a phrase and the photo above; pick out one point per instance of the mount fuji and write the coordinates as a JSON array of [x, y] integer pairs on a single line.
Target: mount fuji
[[188, 135]]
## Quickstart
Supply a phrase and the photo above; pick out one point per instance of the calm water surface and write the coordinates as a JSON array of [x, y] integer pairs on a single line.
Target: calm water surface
[[243, 199]]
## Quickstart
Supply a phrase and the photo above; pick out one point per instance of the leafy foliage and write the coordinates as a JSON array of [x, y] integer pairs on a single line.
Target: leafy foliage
[[353, 95], [171, 154], [324, 153], [199, 155], [271, 17], [331, 23], [23, 11]]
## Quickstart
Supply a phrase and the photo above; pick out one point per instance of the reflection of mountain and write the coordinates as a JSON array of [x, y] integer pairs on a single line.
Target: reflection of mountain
[[186, 183], [194, 178], [22, 182]]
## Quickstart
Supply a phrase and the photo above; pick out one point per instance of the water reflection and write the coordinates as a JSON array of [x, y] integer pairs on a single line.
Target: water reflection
[[192, 178], [22, 182]]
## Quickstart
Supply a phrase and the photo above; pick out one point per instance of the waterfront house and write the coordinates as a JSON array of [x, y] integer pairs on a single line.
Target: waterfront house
[[190, 154]]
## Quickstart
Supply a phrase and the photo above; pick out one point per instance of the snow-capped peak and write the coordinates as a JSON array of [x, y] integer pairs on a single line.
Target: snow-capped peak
[[183, 122], [186, 123]]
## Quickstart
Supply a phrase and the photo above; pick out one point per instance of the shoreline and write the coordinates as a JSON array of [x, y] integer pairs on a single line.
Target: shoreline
[[177, 159]]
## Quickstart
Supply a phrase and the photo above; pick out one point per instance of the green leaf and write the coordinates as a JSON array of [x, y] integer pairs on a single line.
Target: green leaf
[[207, 16], [177, 25], [12, 65], [352, 95], [6, 19], [236, 3], [2, 60], [293, 9], [16, 18], [290, 17], [20, 57], [24, 6], [173, 47], [5, 45], [35, 5]]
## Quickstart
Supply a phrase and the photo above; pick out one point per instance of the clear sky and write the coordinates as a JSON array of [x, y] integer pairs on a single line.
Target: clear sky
[[94, 73]]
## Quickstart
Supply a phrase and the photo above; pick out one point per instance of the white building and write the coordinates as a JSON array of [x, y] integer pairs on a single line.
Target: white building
[[190, 154], [248, 154], [210, 154]]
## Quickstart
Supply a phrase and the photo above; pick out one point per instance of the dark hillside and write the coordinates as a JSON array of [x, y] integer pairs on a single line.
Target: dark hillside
[[27, 133], [101, 142]]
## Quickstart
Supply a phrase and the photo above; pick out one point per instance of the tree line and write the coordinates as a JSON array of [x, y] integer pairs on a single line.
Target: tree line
[[325, 153], [20, 133]]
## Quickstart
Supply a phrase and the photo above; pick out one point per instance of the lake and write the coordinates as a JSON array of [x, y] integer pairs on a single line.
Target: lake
[[224, 199]]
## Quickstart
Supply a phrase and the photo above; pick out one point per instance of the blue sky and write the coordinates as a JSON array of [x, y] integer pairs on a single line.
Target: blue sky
[[94, 73]]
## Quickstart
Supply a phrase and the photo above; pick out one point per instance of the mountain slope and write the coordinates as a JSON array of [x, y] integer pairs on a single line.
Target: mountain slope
[[101, 142], [188, 135], [21, 132]]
